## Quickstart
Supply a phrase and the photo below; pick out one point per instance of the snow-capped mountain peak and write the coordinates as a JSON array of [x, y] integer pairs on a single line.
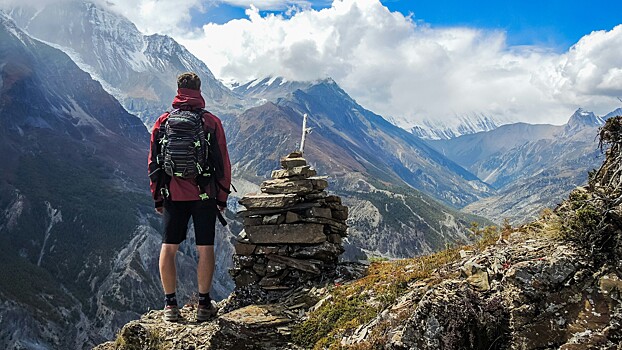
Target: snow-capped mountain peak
[[582, 118], [457, 126], [139, 70]]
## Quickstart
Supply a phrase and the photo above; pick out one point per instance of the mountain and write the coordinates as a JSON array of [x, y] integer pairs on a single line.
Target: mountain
[[581, 119], [80, 250], [483, 152], [139, 70], [272, 88], [269, 89], [613, 113], [458, 126], [385, 174], [531, 166]]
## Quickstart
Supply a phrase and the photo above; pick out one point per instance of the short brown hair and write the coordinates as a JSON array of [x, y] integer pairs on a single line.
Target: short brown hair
[[189, 80]]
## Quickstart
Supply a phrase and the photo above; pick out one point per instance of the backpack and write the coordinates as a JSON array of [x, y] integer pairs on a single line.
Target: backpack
[[184, 145], [185, 150]]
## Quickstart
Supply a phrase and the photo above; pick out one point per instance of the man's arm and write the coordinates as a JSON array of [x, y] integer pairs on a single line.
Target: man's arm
[[155, 171], [223, 183]]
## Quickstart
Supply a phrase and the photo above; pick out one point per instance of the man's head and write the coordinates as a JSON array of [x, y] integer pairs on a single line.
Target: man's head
[[189, 80]]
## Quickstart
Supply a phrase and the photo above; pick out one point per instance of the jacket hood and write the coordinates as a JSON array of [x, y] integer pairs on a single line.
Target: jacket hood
[[188, 99]]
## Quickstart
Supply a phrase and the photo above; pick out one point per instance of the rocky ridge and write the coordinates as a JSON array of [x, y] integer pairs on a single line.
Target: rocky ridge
[[554, 283], [527, 290]]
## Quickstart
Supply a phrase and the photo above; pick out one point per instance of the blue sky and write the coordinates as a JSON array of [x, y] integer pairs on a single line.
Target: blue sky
[[555, 24]]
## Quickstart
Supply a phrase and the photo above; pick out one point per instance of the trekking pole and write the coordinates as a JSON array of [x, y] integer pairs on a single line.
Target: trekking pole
[[305, 131]]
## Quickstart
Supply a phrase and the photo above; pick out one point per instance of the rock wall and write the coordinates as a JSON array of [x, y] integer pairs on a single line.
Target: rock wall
[[293, 230]]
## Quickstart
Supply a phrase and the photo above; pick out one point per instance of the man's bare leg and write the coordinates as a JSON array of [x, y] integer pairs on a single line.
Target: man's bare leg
[[205, 268], [168, 271]]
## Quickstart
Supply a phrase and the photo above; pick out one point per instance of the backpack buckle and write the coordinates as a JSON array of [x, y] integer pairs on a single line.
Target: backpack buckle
[[204, 196], [164, 192]]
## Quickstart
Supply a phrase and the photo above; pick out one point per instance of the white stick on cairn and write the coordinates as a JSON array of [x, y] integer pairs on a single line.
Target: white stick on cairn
[[305, 131]]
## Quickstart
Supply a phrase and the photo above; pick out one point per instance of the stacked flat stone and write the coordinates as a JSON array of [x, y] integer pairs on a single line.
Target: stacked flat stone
[[293, 229]]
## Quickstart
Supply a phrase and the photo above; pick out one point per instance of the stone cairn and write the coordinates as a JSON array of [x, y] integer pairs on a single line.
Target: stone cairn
[[293, 230]]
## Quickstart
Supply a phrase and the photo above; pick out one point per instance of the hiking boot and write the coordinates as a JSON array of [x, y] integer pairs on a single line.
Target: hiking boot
[[204, 313], [171, 313]]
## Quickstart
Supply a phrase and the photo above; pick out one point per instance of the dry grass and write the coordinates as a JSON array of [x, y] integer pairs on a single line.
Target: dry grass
[[359, 302]]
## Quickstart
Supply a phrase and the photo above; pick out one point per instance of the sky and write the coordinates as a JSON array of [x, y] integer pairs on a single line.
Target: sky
[[409, 60]]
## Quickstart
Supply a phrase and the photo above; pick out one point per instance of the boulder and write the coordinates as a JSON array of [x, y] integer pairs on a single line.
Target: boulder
[[252, 327]]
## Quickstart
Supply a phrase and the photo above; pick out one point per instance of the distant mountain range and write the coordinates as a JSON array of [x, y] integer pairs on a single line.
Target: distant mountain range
[[531, 166], [459, 125]]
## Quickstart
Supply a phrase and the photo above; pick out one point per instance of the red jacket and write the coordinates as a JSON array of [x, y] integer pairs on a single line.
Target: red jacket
[[187, 189]]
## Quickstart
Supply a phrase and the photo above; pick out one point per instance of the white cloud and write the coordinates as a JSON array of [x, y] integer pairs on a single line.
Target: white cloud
[[398, 68], [154, 16], [394, 65], [591, 71], [174, 16], [270, 4]]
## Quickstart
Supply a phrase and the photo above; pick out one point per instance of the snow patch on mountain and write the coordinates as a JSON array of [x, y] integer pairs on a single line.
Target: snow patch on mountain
[[448, 129]]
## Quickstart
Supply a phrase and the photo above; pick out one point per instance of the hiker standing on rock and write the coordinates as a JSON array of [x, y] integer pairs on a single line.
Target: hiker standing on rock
[[190, 175]]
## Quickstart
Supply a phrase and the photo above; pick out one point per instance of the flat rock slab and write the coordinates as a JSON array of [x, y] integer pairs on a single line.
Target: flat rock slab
[[268, 201], [336, 226], [319, 182], [272, 211], [286, 234], [252, 327], [324, 251], [244, 249], [319, 213], [288, 186], [299, 171], [255, 317]]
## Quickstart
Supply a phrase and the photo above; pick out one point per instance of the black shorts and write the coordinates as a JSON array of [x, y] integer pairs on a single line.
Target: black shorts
[[177, 215]]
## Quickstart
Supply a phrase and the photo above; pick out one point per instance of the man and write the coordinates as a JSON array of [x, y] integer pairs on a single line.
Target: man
[[179, 196]]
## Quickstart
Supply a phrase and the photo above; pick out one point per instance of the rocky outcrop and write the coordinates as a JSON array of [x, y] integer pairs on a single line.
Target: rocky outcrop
[[542, 294], [255, 326], [531, 290], [292, 230]]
